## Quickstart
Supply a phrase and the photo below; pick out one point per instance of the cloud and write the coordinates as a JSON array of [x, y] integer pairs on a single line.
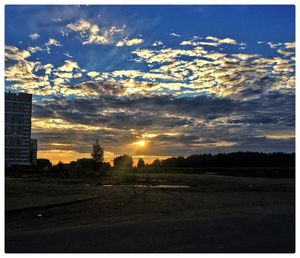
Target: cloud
[[274, 45], [290, 45], [157, 43], [14, 53], [177, 71], [19, 72], [47, 68], [222, 41], [202, 94], [92, 34], [242, 46], [226, 75], [286, 52], [129, 42], [55, 19], [68, 66], [18, 68], [35, 49], [189, 42], [175, 34], [176, 125], [53, 42], [211, 41], [83, 26], [68, 55], [286, 49], [77, 75], [100, 88], [64, 75], [93, 74], [34, 36], [167, 54], [84, 89]]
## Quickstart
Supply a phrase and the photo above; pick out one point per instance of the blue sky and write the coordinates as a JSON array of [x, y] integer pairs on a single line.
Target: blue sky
[[183, 79]]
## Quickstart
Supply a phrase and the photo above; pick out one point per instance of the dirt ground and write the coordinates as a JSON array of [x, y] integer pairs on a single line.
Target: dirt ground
[[205, 213]]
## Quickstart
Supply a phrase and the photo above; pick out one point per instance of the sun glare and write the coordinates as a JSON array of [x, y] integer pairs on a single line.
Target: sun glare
[[140, 143]]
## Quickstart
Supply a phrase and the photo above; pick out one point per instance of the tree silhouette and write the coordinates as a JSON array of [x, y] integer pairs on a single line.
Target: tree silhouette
[[60, 165], [123, 161], [98, 153], [44, 163], [141, 163], [156, 163], [234, 159]]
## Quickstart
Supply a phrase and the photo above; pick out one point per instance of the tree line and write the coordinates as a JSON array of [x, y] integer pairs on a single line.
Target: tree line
[[234, 159], [235, 163]]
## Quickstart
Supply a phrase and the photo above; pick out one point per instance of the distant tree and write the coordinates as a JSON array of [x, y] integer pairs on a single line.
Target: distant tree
[[44, 163], [105, 165], [234, 159], [156, 163], [123, 161], [59, 169], [97, 154], [60, 165], [141, 163], [84, 163], [174, 162]]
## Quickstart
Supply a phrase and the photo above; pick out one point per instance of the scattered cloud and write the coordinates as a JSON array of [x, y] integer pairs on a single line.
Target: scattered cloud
[[122, 102], [15, 54], [175, 34], [274, 45], [34, 36], [129, 42], [93, 74], [195, 94], [222, 41], [68, 66], [53, 42], [290, 45], [55, 19], [68, 55], [285, 52], [157, 43], [35, 49], [92, 34]]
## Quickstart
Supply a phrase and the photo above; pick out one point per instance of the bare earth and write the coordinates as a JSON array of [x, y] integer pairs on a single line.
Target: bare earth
[[215, 214]]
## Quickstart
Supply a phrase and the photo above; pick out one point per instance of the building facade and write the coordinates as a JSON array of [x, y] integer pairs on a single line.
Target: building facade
[[33, 152], [18, 144]]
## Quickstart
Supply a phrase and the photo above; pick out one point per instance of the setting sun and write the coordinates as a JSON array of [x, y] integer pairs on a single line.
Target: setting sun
[[140, 143]]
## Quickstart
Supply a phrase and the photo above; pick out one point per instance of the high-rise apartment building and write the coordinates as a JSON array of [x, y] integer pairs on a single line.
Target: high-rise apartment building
[[18, 144], [33, 152]]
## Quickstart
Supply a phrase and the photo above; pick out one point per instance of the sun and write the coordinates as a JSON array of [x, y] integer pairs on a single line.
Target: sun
[[140, 143]]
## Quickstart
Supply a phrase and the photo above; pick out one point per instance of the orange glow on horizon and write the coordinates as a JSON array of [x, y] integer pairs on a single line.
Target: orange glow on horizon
[[66, 156]]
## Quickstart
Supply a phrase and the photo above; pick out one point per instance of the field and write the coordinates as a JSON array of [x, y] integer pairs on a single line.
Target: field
[[150, 213]]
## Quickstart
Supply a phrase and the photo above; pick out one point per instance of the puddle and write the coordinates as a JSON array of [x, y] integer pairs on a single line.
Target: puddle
[[211, 173], [171, 186], [154, 186]]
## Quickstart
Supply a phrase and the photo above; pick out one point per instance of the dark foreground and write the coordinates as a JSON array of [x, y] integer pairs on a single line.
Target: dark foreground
[[217, 214]]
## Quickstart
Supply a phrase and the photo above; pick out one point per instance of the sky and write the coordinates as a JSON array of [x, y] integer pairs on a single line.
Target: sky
[[154, 81]]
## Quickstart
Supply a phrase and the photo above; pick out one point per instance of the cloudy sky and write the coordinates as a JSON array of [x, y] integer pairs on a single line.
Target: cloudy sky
[[154, 81]]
